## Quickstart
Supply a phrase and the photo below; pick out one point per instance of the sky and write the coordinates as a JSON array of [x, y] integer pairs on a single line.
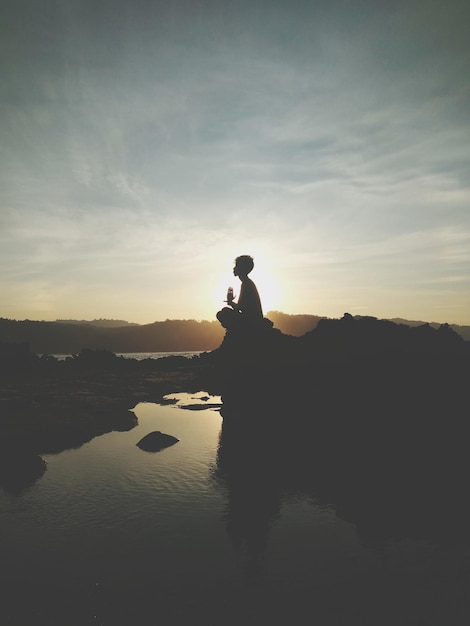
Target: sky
[[146, 144]]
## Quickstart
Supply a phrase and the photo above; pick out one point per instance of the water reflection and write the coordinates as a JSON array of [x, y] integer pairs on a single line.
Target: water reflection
[[391, 483], [153, 536], [247, 465], [62, 426]]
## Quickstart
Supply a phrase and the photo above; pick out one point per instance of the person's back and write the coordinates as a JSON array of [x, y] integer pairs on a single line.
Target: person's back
[[249, 300]]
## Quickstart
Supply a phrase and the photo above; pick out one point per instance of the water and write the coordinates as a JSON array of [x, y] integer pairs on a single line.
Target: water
[[114, 535], [140, 356]]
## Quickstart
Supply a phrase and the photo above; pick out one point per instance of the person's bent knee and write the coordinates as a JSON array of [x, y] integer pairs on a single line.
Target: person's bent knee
[[227, 317]]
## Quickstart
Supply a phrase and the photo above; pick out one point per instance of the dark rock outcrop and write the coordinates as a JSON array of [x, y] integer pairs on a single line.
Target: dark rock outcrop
[[156, 441], [19, 469]]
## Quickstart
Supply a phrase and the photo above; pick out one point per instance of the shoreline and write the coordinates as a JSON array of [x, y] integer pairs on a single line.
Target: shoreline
[[59, 405]]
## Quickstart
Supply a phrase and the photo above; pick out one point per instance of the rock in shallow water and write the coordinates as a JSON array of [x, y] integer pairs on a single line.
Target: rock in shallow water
[[19, 470], [156, 441]]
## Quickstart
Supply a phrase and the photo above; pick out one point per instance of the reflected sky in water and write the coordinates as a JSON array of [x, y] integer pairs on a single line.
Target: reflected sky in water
[[206, 529]]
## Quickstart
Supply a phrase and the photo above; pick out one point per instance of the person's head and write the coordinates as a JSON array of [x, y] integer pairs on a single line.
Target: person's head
[[243, 265]]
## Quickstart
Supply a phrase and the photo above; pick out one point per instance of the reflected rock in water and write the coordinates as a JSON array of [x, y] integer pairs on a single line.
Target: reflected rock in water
[[393, 464], [156, 441], [364, 415], [20, 470]]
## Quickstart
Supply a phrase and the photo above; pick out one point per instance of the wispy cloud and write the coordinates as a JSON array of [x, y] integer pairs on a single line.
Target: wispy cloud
[[139, 149]]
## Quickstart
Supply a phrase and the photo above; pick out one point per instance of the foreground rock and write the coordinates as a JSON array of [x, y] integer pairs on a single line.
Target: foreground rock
[[156, 441], [19, 470], [365, 414]]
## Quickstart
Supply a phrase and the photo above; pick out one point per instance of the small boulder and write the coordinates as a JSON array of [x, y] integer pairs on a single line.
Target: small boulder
[[156, 441]]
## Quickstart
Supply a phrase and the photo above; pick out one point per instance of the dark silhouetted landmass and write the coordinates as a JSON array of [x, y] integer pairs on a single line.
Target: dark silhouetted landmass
[[65, 338], [296, 325], [156, 441], [70, 337], [100, 323], [463, 331]]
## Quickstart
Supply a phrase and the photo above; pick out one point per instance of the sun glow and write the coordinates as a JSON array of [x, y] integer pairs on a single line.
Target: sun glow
[[267, 288]]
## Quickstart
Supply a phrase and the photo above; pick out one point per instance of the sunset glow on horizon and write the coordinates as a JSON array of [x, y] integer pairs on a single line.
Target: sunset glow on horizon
[[146, 145]]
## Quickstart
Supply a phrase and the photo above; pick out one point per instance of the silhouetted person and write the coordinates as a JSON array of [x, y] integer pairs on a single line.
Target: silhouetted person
[[247, 311]]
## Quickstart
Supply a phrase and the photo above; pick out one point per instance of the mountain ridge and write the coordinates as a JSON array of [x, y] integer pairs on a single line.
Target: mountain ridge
[[71, 336]]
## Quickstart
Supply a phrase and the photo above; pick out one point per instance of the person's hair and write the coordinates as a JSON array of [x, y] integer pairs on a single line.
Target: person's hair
[[245, 263]]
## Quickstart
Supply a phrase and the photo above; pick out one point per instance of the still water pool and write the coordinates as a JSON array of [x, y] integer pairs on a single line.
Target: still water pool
[[115, 535]]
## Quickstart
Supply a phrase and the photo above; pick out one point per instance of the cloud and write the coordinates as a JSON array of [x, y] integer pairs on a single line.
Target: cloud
[[159, 139]]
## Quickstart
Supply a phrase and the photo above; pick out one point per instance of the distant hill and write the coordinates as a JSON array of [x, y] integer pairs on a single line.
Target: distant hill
[[296, 325], [72, 336], [101, 323], [463, 331]]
